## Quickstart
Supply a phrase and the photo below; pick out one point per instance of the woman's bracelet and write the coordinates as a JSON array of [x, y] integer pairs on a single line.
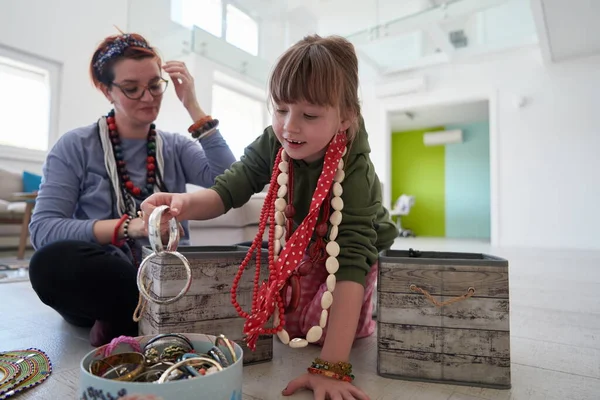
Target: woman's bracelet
[[126, 228], [115, 237], [198, 124], [205, 126]]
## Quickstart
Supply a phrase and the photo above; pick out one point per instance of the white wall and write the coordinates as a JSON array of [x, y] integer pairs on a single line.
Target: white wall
[[546, 180], [56, 30], [68, 31], [173, 42], [338, 17]]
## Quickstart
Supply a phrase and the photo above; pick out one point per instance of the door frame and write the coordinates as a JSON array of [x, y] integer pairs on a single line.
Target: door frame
[[420, 100]]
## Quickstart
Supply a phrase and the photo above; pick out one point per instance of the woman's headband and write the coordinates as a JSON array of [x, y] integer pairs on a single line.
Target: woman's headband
[[116, 49]]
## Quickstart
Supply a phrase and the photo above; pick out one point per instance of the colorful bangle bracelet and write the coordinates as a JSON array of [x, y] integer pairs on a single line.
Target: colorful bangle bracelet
[[123, 366], [330, 374], [196, 361], [342, 368], [206, 129], [196, 125], [222, 339]]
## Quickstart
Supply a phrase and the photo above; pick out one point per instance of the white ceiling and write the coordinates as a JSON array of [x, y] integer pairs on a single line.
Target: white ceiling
[[440, 116], [416, 32], [568, 29], [396, 35]]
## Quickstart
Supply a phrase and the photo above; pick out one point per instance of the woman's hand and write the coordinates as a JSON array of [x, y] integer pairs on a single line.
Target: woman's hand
[[137, 229], [325, 388], [184, 87]]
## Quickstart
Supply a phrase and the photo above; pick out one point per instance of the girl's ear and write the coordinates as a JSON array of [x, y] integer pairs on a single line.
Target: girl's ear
[[345, 124]]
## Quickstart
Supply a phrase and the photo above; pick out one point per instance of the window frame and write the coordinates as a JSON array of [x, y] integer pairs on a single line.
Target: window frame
[[54, 70], [223, 35], [224, 4]]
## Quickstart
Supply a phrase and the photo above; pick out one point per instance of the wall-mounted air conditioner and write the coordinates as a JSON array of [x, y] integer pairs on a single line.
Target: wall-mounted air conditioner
[[443, 137]]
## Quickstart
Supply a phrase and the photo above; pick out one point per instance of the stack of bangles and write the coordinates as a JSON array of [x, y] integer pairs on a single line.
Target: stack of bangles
[[165, 358], [341, 371], [205, 126]]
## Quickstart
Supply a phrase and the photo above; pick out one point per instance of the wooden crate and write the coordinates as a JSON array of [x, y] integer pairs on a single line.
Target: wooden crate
[[206, 307], [466, 342]]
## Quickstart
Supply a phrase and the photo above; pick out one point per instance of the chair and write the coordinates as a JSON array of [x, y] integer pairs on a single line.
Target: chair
[[402, 208]]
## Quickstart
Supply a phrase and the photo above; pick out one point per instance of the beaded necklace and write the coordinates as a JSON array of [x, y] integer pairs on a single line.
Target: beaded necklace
[[316, 250], [286, 252], [126, 182]]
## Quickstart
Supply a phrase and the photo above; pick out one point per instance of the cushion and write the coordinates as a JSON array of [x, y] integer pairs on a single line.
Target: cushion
[[16, 207], [31, 182], [11, 183], [11, 217]]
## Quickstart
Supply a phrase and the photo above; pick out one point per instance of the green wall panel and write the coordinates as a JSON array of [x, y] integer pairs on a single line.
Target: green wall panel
[[420, 171]]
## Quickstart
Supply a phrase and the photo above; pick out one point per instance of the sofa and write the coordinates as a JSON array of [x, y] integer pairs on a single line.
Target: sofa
[[14, 212], [236, 226]]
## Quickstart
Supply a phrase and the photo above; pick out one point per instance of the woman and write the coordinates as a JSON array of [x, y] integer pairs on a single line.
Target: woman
[[85, 228]]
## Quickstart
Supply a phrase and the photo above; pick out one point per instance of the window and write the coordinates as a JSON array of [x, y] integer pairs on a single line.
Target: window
[[242, 30], [205, 14], [26, 101], [241, 117], [219, 18]]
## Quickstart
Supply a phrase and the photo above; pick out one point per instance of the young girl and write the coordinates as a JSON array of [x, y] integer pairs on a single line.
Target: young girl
[[326, 220]]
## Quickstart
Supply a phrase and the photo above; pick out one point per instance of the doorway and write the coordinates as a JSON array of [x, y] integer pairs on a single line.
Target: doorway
[[440, 154]]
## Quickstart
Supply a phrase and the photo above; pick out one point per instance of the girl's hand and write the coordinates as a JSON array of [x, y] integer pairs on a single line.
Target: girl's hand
[[325, 388], [183, 83], [175, 201]]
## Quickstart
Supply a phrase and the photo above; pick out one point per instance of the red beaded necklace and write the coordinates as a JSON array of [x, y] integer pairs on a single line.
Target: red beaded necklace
[[316, 250], [268, 295], [126, 182]]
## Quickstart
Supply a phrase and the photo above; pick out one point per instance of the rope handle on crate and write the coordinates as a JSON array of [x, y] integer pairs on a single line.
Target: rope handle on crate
[[141, 306], [470, 292]]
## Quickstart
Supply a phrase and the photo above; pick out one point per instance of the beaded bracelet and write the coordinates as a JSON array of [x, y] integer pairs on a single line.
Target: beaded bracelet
[[115, 237], [342, 368], [330, 374], [126, 228], [198, 124], [206, 129]]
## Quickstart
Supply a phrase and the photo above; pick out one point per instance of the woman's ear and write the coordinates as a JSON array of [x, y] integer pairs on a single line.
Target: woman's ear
[[106, 91]]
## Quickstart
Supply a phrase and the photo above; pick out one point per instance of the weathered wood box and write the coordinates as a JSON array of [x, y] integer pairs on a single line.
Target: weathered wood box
[[461, 340], [206, 307]]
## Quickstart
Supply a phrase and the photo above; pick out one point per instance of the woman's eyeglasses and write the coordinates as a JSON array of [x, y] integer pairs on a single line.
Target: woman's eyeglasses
[[135, 92]]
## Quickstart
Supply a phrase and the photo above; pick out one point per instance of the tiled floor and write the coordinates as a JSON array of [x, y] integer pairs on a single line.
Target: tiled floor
[[555, 336]]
